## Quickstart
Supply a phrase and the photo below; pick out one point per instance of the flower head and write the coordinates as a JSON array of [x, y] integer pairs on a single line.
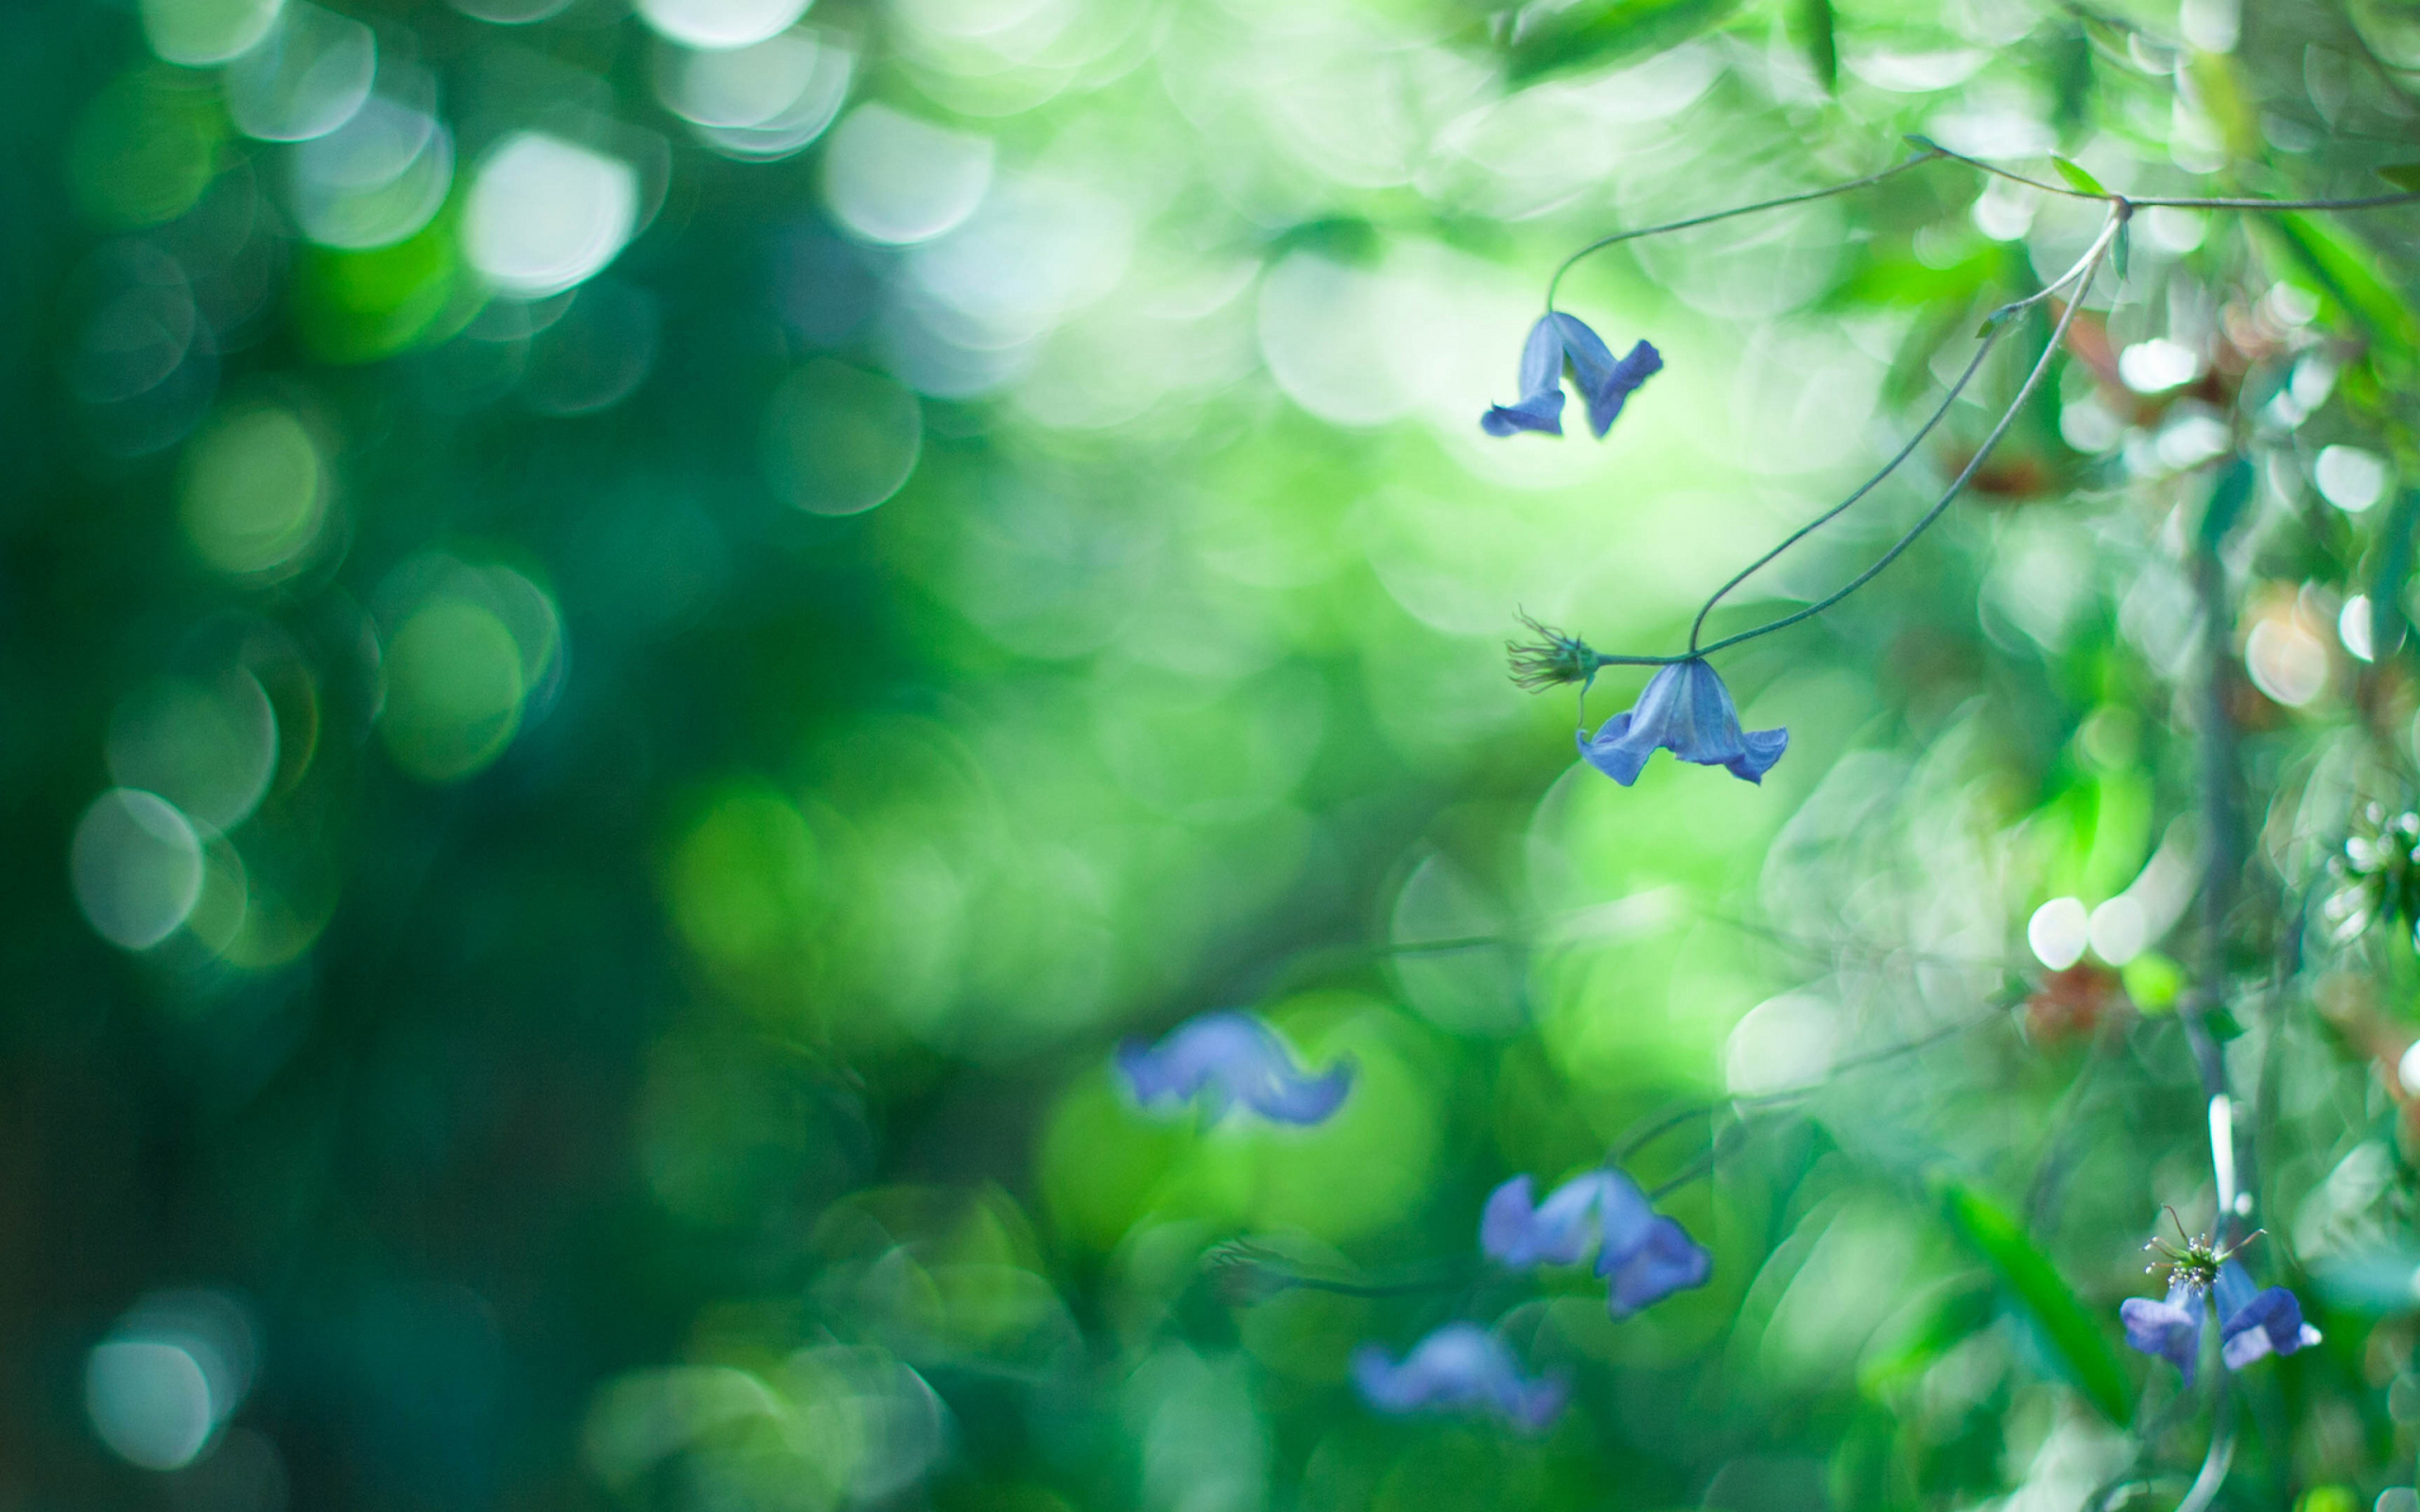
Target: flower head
[[1686, 711], [1553, 658], [1605, 383], [1229, 1057], [2251, 1322], [1460, 1368], [1646, 1256]]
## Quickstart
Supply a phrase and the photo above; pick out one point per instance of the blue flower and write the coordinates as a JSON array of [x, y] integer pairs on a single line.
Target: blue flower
[[1460, 1368], [1647, 1256], [2253, 1322], [1606, 384], [1686, 711], [1232, 1057]]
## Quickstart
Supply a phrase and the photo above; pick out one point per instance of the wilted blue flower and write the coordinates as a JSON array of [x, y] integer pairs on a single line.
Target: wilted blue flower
[[1606, 384], [1648, 1256], [1460, 1368], [1686, 711], [2251, 1322], [1230, 1058]]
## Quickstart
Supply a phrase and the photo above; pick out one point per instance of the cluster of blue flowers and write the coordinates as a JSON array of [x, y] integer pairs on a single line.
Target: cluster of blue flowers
[[1686, 709], [1222, 1059]]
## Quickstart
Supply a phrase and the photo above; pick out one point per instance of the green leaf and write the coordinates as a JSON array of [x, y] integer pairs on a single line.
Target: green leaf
[[2347, 272], [2402, 175], [2229, 492], [2121, 247], [2394, 570], [2077, 178], [2070, 1327], [1814, 24], [1597, 32], [1924, 144]]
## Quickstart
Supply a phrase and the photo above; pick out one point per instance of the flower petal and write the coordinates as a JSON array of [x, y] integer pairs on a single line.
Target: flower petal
[[2170, 1329], [1670, 1261], [2271, 1323], [1616, 751], [1605, 400], [1460, 1368], [1222, 1059], [1535, 412], [1554, 1232], [1758, 750]]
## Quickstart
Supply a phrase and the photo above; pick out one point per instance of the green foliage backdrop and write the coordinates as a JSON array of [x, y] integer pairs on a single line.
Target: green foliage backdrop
[[632, 637]]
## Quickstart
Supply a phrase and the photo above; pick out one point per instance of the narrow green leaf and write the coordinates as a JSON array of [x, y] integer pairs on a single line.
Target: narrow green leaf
[[2071, 1330], [1816, 33], [2119, 251], [2077, 178], [2402, 175], [1597, 32], [2347, 270], [2393, 570], [2229, 492], [1922, 144]]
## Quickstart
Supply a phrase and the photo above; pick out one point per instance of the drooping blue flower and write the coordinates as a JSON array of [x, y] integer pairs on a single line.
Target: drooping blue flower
[[1646, 1256], [1460, 1368], [1228, 1058], [1686, 711], [1605, 383], [2251, 1322]]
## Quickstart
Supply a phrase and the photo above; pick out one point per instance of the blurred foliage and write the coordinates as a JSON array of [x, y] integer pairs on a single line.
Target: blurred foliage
[[635, 633]]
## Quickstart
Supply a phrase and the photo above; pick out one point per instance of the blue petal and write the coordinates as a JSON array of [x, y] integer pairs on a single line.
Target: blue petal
[[2170, 1329], [1624, 1222], [1222, 1059], [1535, 412], [1540, 407], [1460, 1368], [2268, 1322], [1759, 750], [1616, 751], [1519, 1235], [1668, 1261], [1605, 400]]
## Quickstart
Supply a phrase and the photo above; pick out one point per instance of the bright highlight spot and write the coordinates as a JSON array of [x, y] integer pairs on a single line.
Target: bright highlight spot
[[718, 23], [2058, 931], [2285, 660], [2117, 929], [200, 33], [2353, 627], [149, 1402], [2158, 365], [2349, 477], [177, 1365], [1782, 1043], [839, 439], [544, 215], [305, 78], [757, 103], [374, 180], [254, 492], [452, 690], [136, 866], [892, 178]]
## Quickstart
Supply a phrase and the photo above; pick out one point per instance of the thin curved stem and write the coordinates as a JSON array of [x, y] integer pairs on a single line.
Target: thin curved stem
[[1958, 485], [1990, 339], [1620, 236], [2369, 202]]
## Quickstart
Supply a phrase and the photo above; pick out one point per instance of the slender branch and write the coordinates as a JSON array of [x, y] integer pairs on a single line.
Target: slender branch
[[2367, 202], [2214, 1465], [1619, 237]]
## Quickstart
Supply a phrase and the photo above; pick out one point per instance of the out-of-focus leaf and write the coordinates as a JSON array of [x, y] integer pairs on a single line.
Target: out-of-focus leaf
[[1924, 144], [2222, 1024], [1951, 1317], [2394, 570], [2152, 981], [2070, 1327], [2078, 180], [1817, 34], [1606, 31], [2402, 175], [2381, 1281], [2121, 251], [2345, 270], [2229, 492]]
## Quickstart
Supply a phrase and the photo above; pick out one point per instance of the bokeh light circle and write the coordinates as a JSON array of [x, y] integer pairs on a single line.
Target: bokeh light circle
[[839, 439], [717, 23], [149, 1401], [136, 867], [208, 746], [544, 215], [200, 33], [304, 79], [892, 178], [454, 691], [254, 491]]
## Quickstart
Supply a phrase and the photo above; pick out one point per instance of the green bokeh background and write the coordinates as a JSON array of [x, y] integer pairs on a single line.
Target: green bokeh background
[[679, 783]]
